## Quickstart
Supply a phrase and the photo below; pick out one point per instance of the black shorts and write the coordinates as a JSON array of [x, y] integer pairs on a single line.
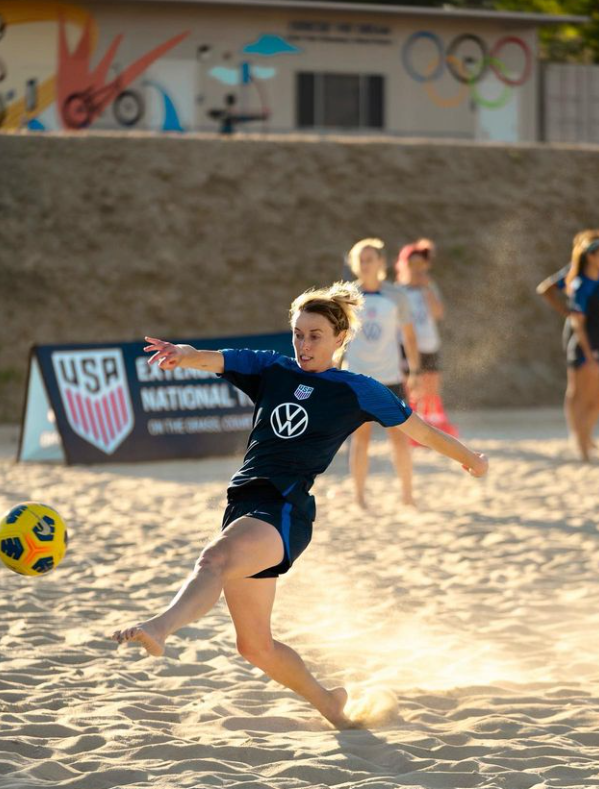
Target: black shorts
[[429, 362], [575, 356], [264, 502]]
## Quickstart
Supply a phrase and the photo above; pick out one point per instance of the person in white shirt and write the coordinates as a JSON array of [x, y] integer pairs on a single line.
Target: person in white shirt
[[375, 352]]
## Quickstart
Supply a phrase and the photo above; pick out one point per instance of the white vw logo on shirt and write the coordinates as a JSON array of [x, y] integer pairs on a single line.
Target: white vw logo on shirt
[[289, 420]]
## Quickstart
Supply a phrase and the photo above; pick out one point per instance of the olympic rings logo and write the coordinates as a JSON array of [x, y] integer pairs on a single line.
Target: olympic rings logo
[[466, 69]]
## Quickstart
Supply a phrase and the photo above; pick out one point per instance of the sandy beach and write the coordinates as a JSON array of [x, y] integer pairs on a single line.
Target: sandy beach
[[467, 632]]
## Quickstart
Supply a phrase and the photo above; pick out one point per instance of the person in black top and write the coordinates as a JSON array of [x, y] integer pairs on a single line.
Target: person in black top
[[305, 408]]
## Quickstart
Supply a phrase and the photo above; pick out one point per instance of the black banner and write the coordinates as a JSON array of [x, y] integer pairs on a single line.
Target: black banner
[[110, 406]]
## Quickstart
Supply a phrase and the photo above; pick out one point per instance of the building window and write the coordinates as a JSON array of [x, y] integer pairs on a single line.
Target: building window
[[340, 101]]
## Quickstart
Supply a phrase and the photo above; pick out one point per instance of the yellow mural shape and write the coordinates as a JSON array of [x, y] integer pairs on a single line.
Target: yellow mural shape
[[23, 12]]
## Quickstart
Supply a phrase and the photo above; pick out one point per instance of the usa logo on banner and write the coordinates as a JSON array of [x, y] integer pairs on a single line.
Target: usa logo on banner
[[95, 395]]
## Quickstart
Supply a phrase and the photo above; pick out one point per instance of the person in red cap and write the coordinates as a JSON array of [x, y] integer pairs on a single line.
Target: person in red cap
[[413, 270]]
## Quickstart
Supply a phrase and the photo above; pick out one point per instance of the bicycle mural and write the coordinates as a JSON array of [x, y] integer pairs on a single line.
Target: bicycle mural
[[83, 94], [239, 79], [78, 93], [468, 59]]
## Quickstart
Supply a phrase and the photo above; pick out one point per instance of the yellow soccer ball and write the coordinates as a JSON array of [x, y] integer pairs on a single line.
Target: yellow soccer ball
[[33, 538]]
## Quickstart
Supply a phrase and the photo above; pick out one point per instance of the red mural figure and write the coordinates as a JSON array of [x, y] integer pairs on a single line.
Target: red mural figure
[[82, 94]]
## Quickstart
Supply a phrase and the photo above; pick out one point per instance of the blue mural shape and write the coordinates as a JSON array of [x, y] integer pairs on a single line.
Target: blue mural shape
[[228, 76], [263, 72], [269, 45], [171, 120], [35, 125], [244, 75]]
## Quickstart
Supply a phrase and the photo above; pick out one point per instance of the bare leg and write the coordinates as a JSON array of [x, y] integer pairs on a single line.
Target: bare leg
[[246, 547], [358, 461], [402, 458], [585, 388], [589, 381], [570, 401], [574, 406], [250, 602], [593, 419]]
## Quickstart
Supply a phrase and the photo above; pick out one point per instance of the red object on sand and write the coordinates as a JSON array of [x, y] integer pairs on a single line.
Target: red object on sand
[[431, 409]]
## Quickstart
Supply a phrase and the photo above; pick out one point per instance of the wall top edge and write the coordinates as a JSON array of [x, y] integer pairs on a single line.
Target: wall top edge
[[323, 5]]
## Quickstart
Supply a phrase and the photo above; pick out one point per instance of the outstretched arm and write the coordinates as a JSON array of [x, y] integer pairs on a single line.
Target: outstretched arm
[[419, 430], [168, 356]]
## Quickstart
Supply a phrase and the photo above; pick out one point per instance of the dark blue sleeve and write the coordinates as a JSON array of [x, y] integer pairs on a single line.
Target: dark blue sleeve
[[244, 368], [378, 403], [579, 298]]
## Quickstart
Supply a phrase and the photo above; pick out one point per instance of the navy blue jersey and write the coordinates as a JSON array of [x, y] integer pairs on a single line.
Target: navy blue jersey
[[301, 419], [584, 298]]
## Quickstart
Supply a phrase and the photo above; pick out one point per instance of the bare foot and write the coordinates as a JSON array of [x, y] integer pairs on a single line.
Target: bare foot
[[334, 714], [361, 502], [145, 634], [408, 501]]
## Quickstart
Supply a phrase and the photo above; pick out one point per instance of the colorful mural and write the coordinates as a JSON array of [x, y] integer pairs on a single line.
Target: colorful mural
[[468, 59], [58, 72], [75, 92]]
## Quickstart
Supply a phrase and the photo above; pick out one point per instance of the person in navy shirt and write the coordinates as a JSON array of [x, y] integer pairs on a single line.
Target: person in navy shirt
[[553, 291], [582, 287], [305, 408]]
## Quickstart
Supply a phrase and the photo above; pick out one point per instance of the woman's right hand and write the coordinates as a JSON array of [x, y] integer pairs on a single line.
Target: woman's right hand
[[479, 465], [166, 354]]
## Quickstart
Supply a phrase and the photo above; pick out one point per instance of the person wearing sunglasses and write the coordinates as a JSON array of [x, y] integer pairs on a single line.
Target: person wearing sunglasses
[[582, 288], [553, 291]]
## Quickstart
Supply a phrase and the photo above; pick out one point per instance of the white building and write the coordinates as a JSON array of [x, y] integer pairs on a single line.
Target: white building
[[263, 65]]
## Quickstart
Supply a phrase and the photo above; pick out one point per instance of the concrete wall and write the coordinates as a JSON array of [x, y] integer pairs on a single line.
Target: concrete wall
[[114, 237]]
